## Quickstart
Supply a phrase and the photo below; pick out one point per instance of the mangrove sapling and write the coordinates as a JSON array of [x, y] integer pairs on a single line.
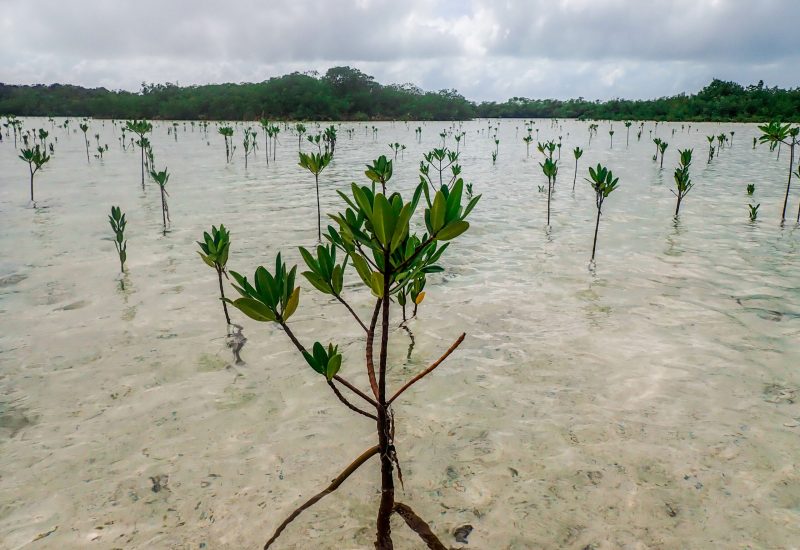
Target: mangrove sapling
[[753, 211], [611, 133], [329, 137], [85, 128], [527, 139], [657, 141], [118, 223], [249, 144], [550, 169], [578, 152], [300, 129], [416, 293], [393, 259], [316, 163], [683, 183], [214, 251], [161, 178], [751, 188], [36, 158], [662, 147], [603, 182], [140, 128], [628, 124], [774, 134], [227, 132]]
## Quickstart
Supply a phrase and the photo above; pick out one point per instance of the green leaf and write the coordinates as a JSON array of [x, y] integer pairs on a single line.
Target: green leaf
[[254, 309], [376, 283], [334, 364], [452, 230], [438, 211], [317, 281], [291, 304], [207, 260]]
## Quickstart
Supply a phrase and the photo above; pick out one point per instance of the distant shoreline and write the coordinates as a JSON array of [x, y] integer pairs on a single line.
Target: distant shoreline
[[347, 94]]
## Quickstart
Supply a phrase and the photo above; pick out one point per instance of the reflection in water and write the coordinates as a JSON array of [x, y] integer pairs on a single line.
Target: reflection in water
[[236, 341]]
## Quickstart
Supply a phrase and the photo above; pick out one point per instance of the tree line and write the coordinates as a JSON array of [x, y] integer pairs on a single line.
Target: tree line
[[345, 93]]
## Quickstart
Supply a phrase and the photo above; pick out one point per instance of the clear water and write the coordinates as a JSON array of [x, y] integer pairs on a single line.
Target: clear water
[[650, 402]]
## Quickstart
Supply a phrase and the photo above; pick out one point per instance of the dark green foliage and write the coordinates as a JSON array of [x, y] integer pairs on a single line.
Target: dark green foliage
[[36, 158], [214, 250], [683, 184], [316, 163], [603, 182], [345, 93], [118, 223]]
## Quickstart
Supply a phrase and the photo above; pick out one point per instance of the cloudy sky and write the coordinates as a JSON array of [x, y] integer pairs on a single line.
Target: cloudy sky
[[487, 49]]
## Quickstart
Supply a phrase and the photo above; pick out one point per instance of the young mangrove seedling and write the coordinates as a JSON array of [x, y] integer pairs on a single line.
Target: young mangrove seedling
[[85, 128], [578, 152], [528, 140], [118, 223], [227, 132], [603, 182], [316, 163], [214, 250], [751, 187], [753, 211], [329, 137], [140, 128], [657, 141], [683, 183], [550, 169], [776, 134], [662, 147], [36, 158], [628, 124], [611, 133], [374, 233], [250, 144], [301, 129], [161, 178]]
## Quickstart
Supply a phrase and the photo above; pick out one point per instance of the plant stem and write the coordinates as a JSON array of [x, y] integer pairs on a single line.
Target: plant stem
[[338, 480], [141, 146], [222, 295], [319, 211], [427, 371], [384, 539], [419, 526], [788, 185], [575, 177], [596, 227]]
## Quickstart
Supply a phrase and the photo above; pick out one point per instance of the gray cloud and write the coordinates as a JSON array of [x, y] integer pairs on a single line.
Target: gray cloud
[[486, 49]]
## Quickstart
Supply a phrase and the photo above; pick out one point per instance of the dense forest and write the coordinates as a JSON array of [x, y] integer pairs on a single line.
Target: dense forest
[[345, 93]]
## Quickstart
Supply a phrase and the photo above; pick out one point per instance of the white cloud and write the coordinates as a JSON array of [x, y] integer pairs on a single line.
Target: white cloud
[[487, 49]]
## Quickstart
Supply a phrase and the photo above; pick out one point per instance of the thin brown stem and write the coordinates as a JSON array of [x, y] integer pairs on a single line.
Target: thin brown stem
[[419, 526], [427, 371], [352, 312], [355, 465], [301, 349], [370, 345], [383, 541], [356, 391], [348, 404]]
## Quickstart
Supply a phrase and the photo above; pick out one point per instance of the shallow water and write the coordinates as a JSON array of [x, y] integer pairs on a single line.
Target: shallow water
[[650, 402]]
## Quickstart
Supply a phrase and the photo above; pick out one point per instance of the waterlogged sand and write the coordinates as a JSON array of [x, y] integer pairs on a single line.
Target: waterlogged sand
[[651, 403]]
